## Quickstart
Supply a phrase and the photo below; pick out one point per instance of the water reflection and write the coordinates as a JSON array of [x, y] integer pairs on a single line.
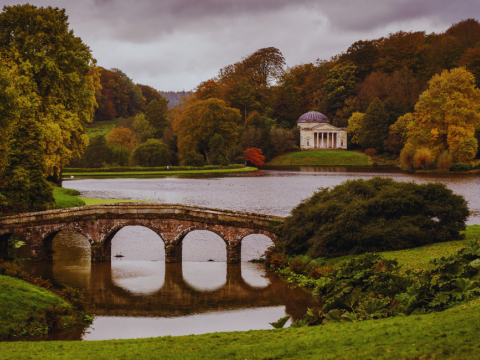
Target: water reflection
[[70, 246], [145, 295]]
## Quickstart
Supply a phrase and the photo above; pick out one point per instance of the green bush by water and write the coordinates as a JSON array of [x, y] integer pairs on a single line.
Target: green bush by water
[[461, 167]]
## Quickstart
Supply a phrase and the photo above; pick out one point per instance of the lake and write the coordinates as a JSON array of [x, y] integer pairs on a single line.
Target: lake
[[139, 295]]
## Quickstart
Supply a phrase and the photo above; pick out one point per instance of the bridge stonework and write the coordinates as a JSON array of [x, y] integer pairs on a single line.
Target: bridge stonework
[[172, 222]]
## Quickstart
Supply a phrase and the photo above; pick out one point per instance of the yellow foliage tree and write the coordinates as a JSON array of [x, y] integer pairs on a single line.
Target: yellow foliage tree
[[200, 120], [401, 126], [123, 136], [446, 115], [354, 127]]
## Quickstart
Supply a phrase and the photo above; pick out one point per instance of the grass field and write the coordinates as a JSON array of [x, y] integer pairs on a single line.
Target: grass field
[[143, 173], [20, 302], [101, 127], [66, 198], [322, 157], [452, 334]]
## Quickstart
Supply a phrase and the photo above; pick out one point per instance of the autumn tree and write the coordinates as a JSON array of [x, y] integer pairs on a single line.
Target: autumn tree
[[282, 139], [149, 94], [446, 115], [254, 156], [122, 136], [354, 128], [143, 129], [63, 73], [201, 120], [363, 55]]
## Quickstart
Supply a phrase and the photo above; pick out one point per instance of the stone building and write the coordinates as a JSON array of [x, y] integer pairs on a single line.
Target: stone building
[[316, 132]]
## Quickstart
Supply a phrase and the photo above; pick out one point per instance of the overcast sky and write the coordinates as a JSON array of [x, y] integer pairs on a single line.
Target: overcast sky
[[176, 44]]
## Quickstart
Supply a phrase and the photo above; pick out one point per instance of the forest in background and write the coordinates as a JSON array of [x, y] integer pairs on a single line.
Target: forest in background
[[386, 75]]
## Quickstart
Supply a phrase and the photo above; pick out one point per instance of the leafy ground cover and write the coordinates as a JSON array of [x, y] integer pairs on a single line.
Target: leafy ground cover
[[452, 334], [21, 302], [101, 127], [322, 157], [66, 198], [141, 173]]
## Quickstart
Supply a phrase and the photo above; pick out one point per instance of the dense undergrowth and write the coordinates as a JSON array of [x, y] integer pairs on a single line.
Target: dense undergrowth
[[373, 286], [30, 306]]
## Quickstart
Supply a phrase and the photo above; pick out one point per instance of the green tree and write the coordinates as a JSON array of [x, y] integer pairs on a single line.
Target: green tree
[[201, 120], [63, 71], [143, 129], [373, 215], [152, 153], [216, 153], [120, 155], [340, 85], [97, 152], [375, 126], [192, 158], [156, 115]]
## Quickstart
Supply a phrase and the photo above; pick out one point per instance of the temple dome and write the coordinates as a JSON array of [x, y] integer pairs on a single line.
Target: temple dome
[[313, 117]]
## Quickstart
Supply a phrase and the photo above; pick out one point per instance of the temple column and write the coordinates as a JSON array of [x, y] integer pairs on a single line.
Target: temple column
[[315, 140], [336, 141], [322, 139]]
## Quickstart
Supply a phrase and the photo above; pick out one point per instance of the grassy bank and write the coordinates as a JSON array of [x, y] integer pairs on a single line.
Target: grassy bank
[[142, 173], [322, 157], [20, 303], [66, 198], [101, 127], [452, 334]]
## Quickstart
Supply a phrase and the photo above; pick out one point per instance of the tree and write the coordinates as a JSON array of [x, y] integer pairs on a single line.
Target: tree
[[97, 152], [375, 126], [143, 129], [282, 139], [340, 85], [200, 120], [122, 136], [152, 153], [363, 55], [156, 115], [446, 115], [192, 158], [354, 128], [149, 94], [216, 153], [120, 155], [373, 215], [39, 42], [254, 156]]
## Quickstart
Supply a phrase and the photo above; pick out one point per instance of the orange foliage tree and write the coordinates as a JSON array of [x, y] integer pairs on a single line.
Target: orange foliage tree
[[254, 156], [122, 136]]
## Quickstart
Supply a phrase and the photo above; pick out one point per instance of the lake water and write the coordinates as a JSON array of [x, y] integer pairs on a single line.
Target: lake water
[[141, 296]]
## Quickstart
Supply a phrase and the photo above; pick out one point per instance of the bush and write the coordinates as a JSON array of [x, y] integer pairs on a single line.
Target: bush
[[192, 158], [445, 160], [370, 152], [423, 158], [152, 153], [406, 158], [379, 214], [461, 167]]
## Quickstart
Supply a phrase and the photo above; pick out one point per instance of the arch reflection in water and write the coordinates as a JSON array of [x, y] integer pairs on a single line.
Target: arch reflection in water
[[71, 259], [139, 277], [203, 245], [254, 275], [205, 276], [138, 243]]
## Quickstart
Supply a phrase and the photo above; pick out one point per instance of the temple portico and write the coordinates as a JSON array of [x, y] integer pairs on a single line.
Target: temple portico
[[317, 133]]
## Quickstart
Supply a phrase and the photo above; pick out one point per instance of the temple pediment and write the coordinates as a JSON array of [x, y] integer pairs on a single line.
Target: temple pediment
[[325, 127]]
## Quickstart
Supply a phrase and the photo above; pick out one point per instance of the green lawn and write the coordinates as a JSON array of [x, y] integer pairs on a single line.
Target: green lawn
[[101, 127], [419, 258], [141, 173], [66, 198], [21, 302], [322, 157], [452, 334]]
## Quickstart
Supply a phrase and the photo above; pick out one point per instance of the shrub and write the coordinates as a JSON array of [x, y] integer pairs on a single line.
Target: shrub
[[370, 152], [152, 153], [445, 160], [379, 214], [461, 167], [423, 158], [300, 265], [406, 158], [192, 158]]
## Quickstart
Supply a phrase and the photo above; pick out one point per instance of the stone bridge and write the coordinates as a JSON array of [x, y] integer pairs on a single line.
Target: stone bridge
[[99, 224]]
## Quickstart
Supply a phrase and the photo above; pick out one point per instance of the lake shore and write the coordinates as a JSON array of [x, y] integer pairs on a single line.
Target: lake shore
[[164, 172], [322, 157]]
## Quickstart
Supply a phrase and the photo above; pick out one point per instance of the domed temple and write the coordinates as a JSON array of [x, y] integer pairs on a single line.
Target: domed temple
[[316, 132]]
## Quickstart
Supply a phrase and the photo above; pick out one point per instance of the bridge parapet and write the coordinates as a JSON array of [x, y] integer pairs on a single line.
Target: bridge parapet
[[172, 222]]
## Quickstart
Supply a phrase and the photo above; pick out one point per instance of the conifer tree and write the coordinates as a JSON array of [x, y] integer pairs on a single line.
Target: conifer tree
[[375, 126]]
